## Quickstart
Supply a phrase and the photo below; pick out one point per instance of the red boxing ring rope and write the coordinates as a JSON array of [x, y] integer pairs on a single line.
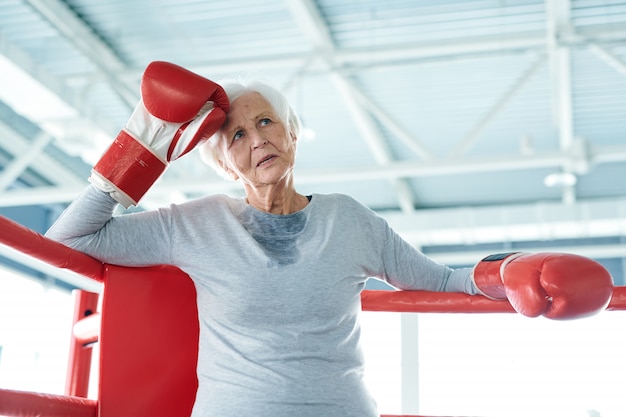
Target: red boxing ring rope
[[436, 302], [34, 244], [16, 403]]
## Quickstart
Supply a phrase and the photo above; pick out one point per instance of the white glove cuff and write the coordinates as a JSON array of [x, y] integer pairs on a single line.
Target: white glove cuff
[[105, 185]]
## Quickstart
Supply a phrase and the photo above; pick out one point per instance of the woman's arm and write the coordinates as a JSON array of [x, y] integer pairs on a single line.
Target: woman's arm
[[137, 239], [409, 269], [387, 256]]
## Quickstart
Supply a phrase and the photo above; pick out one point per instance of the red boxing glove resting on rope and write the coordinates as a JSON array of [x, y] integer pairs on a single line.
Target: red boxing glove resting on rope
[[178, 110], [556, 285]]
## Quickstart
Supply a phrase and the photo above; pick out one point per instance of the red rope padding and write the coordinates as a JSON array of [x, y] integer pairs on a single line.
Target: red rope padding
[[34, 244], [445, 302], [618, 300], [431, 302], [29, 404], [32, 404]]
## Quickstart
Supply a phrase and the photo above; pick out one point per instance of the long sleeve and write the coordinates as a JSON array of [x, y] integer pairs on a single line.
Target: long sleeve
[[405, 265], [135, 239], [388, 257]]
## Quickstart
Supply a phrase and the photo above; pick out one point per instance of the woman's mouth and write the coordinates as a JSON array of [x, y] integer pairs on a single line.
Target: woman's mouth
[[266, 160]]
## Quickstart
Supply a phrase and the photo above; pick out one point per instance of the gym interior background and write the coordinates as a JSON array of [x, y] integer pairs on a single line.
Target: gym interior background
[[472, 126]]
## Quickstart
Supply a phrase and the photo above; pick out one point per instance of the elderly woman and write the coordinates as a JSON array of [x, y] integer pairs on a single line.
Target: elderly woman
[[278, 274]]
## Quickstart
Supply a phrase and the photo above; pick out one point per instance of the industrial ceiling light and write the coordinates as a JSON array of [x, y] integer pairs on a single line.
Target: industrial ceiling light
[[560, 179]]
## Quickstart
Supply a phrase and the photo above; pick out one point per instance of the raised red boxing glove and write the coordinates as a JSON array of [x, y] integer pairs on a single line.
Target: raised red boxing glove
[[556, 285], [178, 110]]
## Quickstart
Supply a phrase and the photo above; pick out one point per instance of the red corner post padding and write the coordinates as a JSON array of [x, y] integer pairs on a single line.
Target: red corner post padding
[[148, 343]]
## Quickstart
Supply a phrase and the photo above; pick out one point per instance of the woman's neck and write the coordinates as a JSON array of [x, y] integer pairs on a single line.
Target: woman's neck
[[276, 200]]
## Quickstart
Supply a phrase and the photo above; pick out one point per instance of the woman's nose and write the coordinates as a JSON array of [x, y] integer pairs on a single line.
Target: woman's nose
[[257, 139]]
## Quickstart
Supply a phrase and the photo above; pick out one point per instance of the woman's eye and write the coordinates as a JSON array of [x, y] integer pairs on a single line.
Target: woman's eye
[[237, 135], [265, 122]]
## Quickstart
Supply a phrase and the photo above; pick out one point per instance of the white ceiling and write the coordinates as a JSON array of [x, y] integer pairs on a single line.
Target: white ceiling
[[444, 116]]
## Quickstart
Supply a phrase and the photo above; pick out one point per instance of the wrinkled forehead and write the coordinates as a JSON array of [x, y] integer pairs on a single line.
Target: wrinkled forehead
[[247, 107]]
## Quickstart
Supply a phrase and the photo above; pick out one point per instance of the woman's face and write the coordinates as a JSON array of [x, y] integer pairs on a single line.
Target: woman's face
[[258, 148]]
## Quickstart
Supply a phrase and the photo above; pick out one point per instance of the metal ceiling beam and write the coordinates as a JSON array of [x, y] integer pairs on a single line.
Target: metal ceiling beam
[[14, 169], [495, 110], [77, 32], [559, 26], [491, 45], [74, 28], [374, 140], [90, 44], [396, 169], [414, 53], [418, 148], [41, 163], [372, 57], [45, 80], [542, 221], [611, 59], [64, 109], [308, 16]]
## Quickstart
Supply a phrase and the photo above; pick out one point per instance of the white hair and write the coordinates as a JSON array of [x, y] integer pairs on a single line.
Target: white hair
[[212, 153]]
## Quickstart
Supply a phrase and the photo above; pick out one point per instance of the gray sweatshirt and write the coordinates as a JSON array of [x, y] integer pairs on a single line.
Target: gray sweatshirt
[[278, 295]]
